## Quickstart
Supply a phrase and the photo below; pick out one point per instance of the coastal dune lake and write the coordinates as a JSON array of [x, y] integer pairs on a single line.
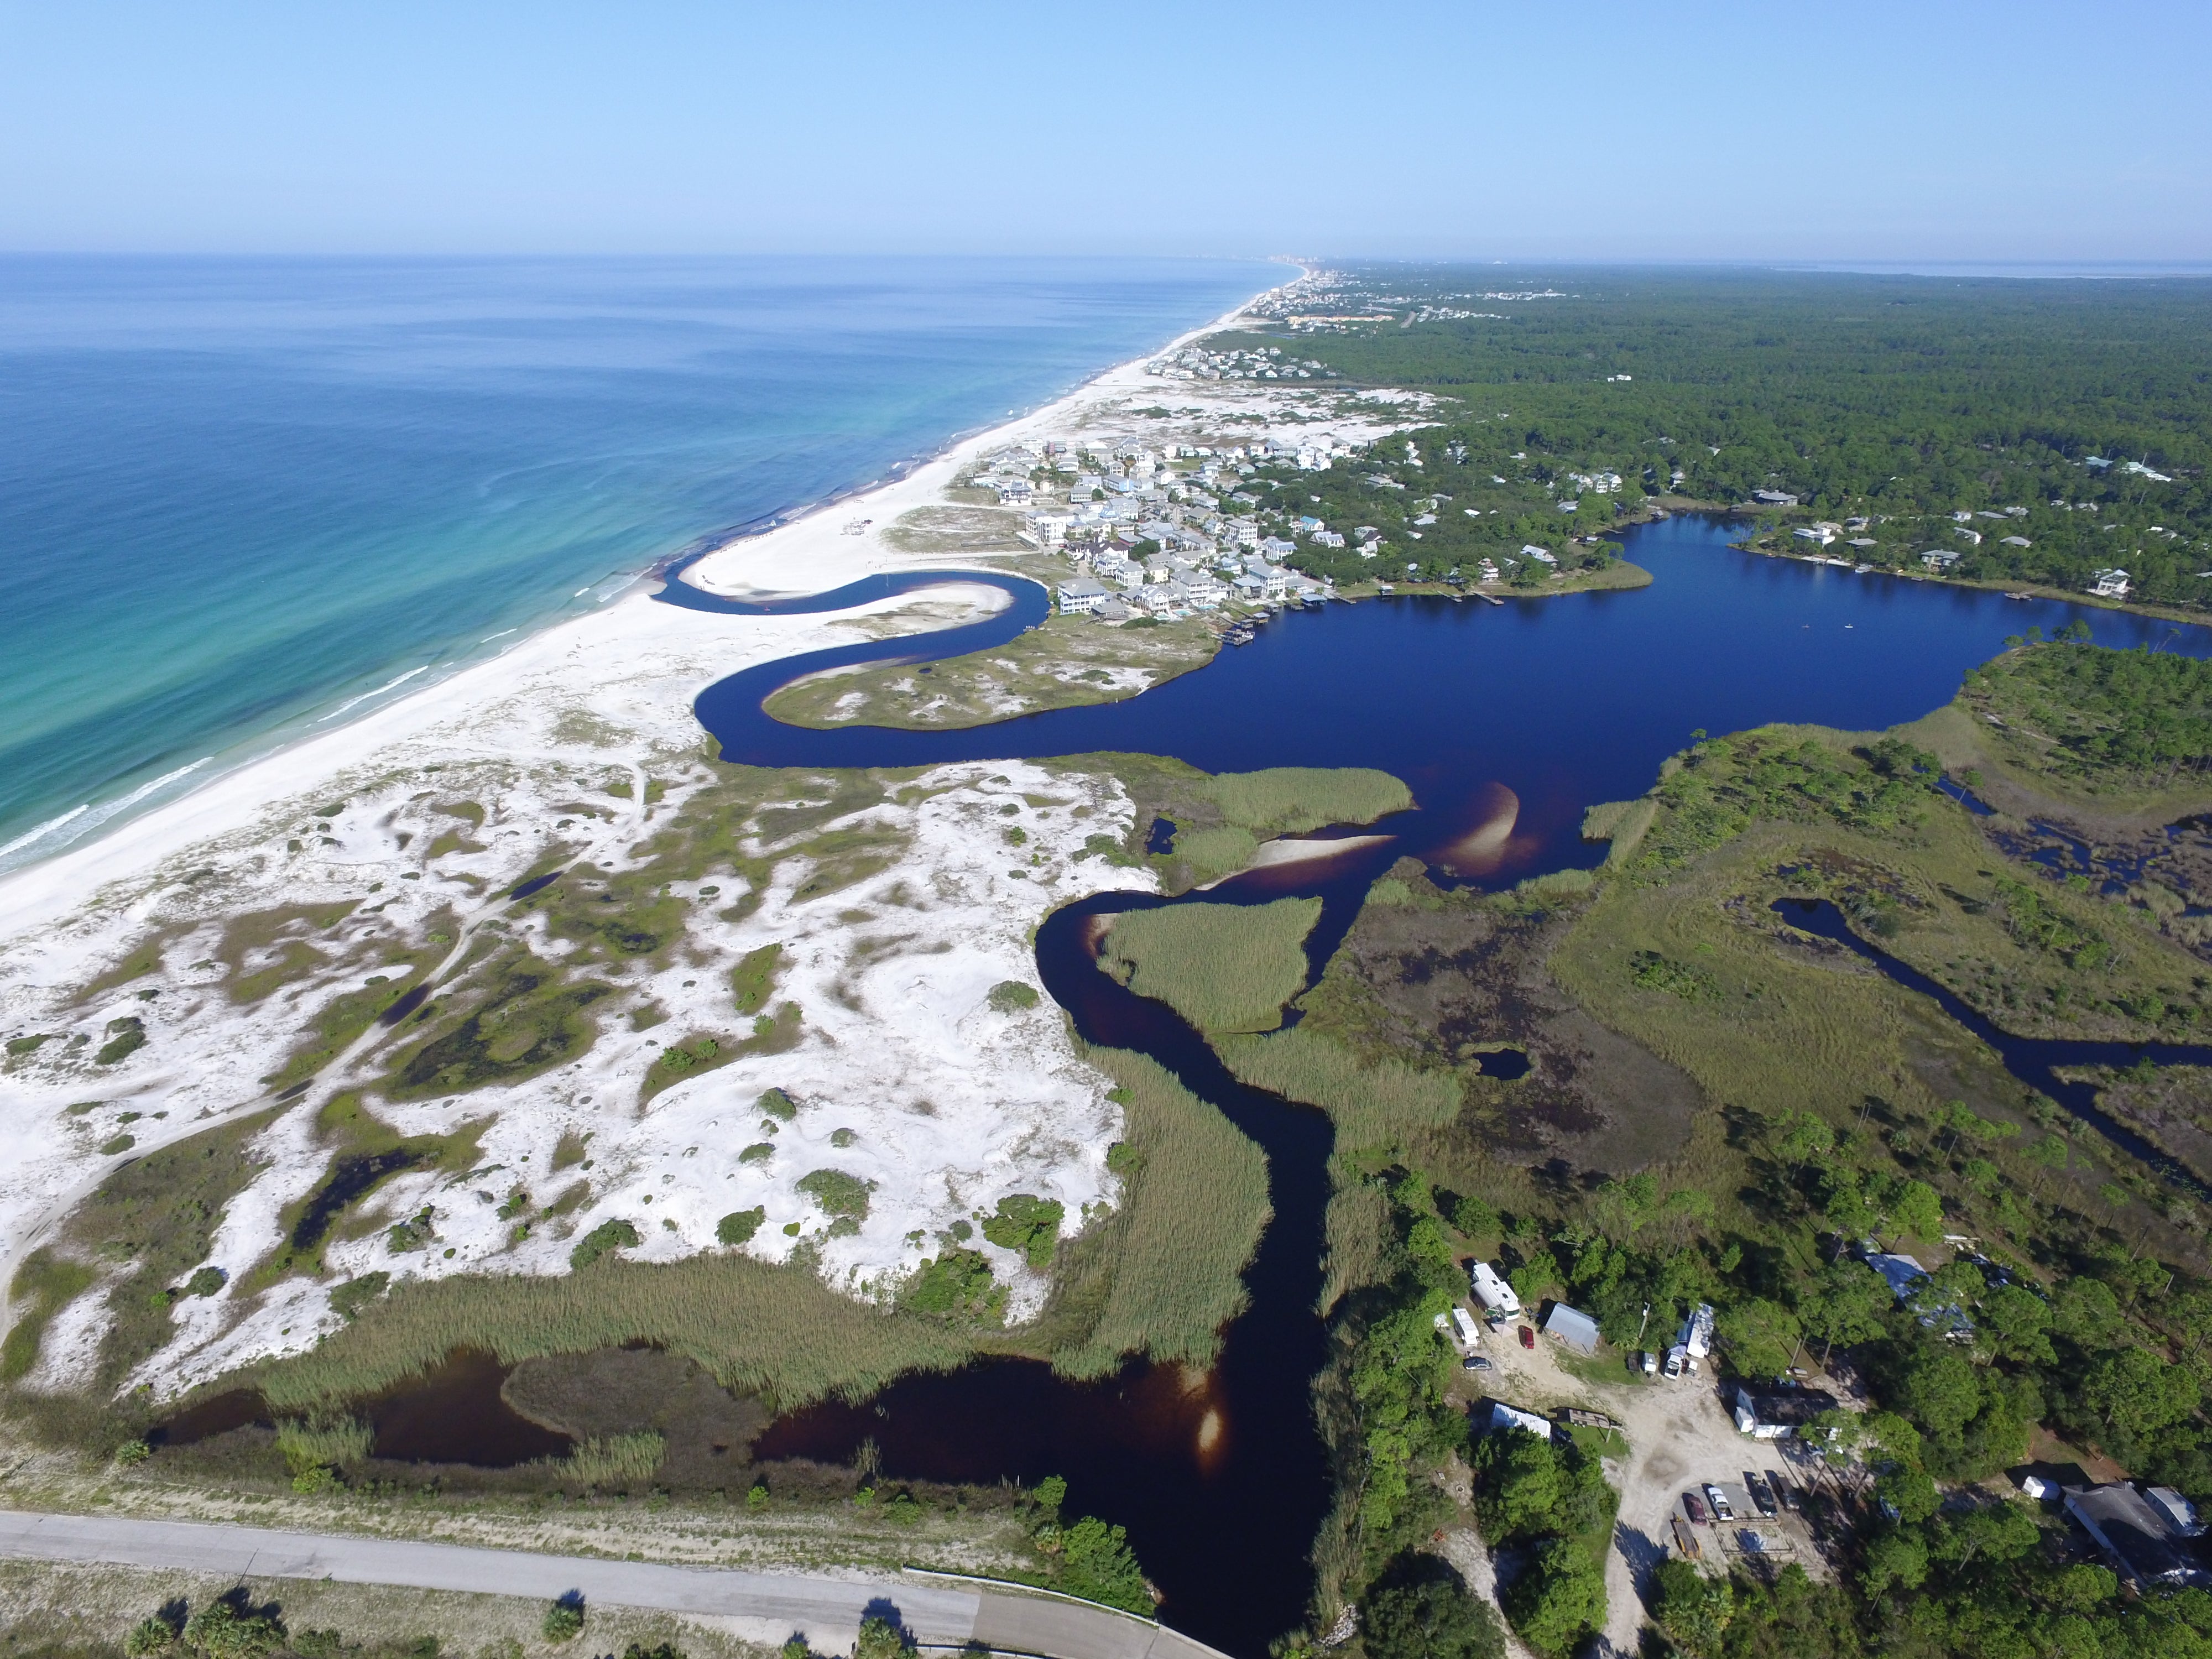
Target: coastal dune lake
[[1507, 721]]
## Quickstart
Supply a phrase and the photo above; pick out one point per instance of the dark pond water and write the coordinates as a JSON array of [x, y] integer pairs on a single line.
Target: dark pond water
[[454, 1414], [1507, 721]]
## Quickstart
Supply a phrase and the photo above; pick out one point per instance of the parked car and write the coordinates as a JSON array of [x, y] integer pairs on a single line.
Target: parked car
[[1787, 1491], [1761, 1499], [1719, 1499], [1527, 1336], [1650, 1363], [1474, 1362], [1694, 1507]]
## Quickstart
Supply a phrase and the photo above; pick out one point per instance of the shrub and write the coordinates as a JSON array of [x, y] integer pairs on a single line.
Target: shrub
[[224, 1630], [759, 1152], [608, 1236], [1097, 1563], [206, 1281], [1418, 1609], [739, 1226], [1559, 1599], [1027, 1223], [838, 1193], [351, 1298], [149, 1636], [1010, 996], [959, 1281], [880, 1639], [778, 1105], [564, 1620]]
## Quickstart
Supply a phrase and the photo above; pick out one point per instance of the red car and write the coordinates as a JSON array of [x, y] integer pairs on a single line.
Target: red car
[[1528, 1337]]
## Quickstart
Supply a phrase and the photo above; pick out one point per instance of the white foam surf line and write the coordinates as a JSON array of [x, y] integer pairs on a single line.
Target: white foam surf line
[[94, 816], [354, 702]]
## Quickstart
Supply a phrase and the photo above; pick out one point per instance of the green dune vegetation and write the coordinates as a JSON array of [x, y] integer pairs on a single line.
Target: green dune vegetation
[[1065, 662], [1222, 967]]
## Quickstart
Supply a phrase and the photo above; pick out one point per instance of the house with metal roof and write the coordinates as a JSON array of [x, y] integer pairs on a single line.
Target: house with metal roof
[[1572, 1328], [2140, 1538]]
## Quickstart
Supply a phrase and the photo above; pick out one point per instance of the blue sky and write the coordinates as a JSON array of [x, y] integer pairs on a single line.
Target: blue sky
[[1938, 129]]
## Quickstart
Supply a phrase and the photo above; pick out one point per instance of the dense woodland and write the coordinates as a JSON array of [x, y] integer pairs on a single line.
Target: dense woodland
[[1906, 400]]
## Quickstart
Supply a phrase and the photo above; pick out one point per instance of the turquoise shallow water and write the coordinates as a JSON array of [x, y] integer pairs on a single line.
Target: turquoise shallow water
[[235, 495]]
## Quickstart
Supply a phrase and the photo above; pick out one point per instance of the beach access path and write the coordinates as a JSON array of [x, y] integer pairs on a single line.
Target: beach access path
[[940, 1610]]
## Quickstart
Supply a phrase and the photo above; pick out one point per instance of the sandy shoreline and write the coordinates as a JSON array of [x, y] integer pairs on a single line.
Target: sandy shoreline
[[808, 554]]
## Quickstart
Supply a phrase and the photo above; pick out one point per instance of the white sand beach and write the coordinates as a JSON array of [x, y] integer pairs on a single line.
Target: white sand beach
[[577, 744]]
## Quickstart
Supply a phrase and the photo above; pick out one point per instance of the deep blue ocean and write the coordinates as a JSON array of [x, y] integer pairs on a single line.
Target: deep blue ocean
[[237, 496]]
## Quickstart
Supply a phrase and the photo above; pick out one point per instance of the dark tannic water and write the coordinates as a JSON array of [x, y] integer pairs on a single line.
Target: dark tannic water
[[1506, 721]]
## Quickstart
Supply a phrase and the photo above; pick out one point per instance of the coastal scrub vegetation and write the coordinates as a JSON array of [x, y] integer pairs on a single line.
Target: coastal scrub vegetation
[[2106, 722], [1222, 967], [1065, 662]]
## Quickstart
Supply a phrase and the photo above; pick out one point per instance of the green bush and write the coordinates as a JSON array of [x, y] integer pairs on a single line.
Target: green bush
[[564, 1620], [223, 1630], [1010, 996], [880, 1639], [608, 1236], [837, 1193], [1027, 1223], [1097, 1563], [1418, 1609], [1559, 1600], [351, 1298], [778, 1105], [957, 1282], [739, 1226]]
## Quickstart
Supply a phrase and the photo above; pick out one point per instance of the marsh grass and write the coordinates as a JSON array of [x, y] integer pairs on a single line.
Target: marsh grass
[[1161, 1275], [777, 1331], [618, 1463], [1222, 967], [1377, 1103]]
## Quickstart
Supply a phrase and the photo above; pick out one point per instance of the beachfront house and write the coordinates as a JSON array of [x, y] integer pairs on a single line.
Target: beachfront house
[[1819, 534], [2109, 584], [1250, 590], [1939, 559], [1080, 598], [1773, 498], [1541, 555]]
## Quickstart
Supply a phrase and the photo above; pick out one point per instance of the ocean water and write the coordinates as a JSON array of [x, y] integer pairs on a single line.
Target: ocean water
[[239, 498]]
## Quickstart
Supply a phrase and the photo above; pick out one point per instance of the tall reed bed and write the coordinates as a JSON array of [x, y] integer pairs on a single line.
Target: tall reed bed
[[1163, 1275], [1222, 967], [776, 1331]]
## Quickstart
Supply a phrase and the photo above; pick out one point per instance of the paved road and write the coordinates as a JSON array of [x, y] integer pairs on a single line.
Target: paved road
[[827, 1610]]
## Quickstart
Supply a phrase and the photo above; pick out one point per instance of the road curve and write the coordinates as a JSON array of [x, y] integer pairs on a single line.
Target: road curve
[[828, 1611]]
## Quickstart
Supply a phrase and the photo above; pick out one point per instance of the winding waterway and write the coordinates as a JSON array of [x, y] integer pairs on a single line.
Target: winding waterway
[[1507, 721]]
